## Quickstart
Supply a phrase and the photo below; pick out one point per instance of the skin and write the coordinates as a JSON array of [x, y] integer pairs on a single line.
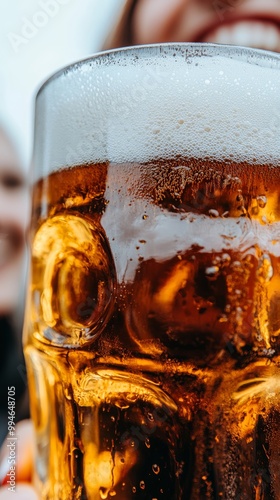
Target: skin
[[153, 21], [194, 20], [13, 225]]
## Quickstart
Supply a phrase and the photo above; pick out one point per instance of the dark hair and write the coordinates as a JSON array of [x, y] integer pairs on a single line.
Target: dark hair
[[12, 374], [121, 34]]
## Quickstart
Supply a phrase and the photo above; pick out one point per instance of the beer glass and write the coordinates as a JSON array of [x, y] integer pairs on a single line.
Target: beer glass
[[153, 316]]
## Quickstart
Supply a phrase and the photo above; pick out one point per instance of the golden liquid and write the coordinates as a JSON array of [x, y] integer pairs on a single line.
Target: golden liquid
[[152, 333]]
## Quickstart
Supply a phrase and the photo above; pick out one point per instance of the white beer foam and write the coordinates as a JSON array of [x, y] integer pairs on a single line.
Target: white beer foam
[[135, 111]]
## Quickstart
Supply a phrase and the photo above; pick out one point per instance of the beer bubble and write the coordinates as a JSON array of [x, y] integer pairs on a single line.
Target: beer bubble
[[74, 275]]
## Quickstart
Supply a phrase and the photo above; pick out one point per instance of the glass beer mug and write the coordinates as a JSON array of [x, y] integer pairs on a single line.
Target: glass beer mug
[[153, 316]]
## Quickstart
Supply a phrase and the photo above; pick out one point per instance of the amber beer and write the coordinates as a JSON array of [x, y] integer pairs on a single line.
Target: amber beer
[[152, 324]]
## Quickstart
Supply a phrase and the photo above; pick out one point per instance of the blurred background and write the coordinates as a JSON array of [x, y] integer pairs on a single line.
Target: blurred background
[[37, 37]]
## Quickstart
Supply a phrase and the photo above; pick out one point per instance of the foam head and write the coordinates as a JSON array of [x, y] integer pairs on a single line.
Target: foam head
[[135, 104]]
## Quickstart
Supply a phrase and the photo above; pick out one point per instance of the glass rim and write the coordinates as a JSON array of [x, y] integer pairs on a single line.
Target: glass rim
[[247, 54]]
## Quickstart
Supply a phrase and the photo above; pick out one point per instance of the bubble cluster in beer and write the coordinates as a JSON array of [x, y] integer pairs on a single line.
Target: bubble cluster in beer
[[127, 108]]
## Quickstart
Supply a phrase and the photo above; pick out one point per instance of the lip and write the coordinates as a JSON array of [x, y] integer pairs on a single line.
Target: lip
[[256, 31]]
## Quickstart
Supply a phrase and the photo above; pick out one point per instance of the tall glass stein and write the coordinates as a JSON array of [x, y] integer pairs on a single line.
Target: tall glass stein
[[153, 316]]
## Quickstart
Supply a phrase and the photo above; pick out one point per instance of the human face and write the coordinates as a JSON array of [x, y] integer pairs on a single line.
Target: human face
[[13, 223], [253, 23]]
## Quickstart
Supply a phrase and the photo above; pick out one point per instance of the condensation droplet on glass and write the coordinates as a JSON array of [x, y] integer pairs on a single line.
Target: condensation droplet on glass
[[142, 485], [226, 258], [156, 469], [133, 489], [103, 492], [262, 201], [213, 213], [68, 394], [151, 417], [211, 272], [147, 443], [223, 319], [216, 260], [236, 264]]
